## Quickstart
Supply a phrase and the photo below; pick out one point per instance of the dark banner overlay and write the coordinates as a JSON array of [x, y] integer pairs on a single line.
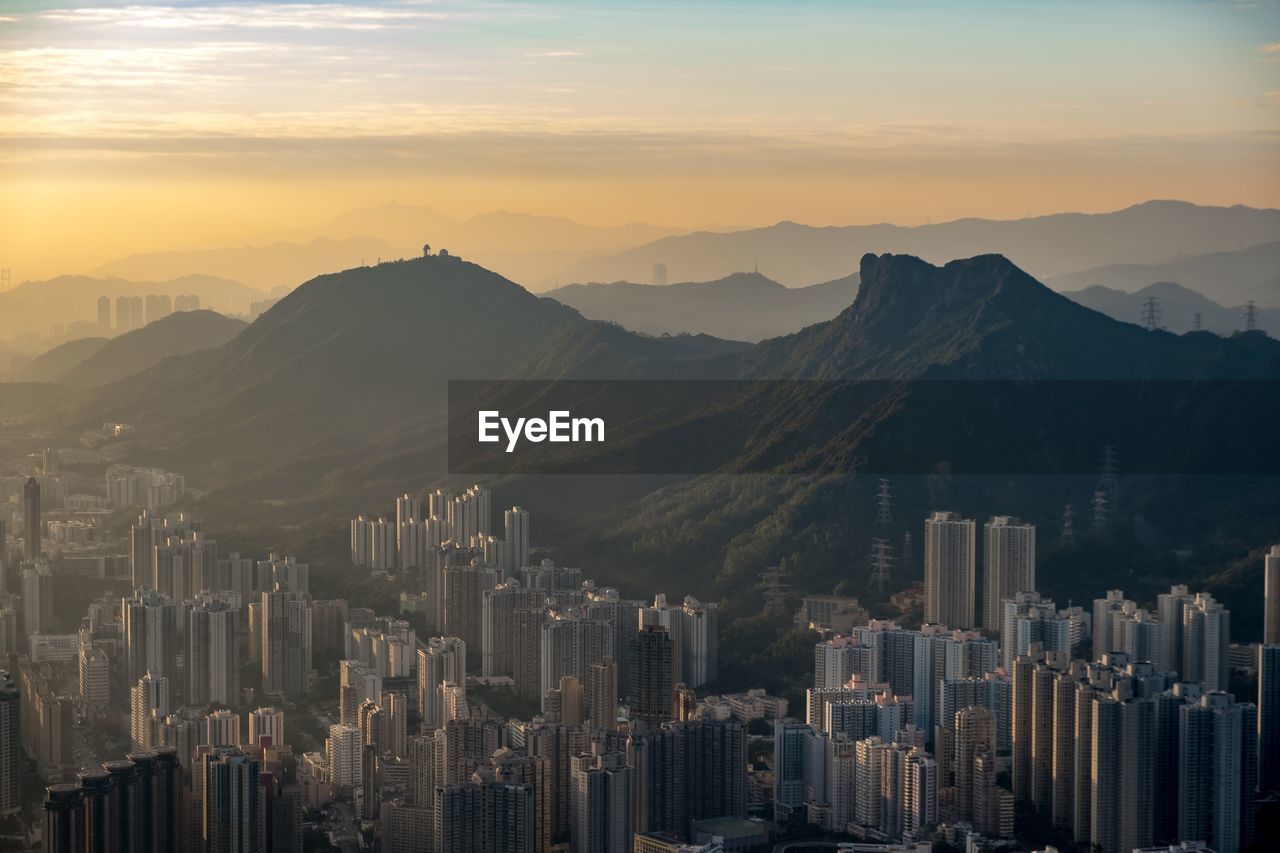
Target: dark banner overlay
[[862, 427]]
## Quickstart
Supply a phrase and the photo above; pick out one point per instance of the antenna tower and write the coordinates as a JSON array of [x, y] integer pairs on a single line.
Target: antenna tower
[[1068, 525]]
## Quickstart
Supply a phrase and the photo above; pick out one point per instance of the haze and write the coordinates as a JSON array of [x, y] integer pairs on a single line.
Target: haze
[[134, 128]]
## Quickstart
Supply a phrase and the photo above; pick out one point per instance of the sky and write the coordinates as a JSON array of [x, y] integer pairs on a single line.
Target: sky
[[129, 127]]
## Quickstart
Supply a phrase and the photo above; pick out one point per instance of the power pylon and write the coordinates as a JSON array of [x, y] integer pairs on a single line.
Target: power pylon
[[881, 561], [884, 504]]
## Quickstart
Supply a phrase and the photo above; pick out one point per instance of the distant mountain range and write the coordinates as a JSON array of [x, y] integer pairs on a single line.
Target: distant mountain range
[[523, 246], [742, 306], [33, 306], [1178, 308], [334, 399], [1229, 278], [277, 265], [1156, 232]]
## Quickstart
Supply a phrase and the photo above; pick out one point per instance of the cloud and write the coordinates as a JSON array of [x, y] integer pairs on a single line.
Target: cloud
[[1270, 52], [306, 16], [553, 54]]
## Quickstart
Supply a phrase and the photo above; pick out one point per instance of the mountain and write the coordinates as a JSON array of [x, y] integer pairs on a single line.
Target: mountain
[[1178, 308], [525, 247], [742, 306], [48, 366], [282, 264], [347, 375], [1155, 232], [1229, 278], [178, 334], [72, 300], [334, 400]]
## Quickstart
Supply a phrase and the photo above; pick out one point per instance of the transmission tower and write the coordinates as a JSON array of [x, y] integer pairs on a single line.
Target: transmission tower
[[1151, 314], [884, 505], [1068, 525], [776, 583], [881, 560], [1099, 510], [908, 549], [1251, 316], [1108, 482], [1197, 322]]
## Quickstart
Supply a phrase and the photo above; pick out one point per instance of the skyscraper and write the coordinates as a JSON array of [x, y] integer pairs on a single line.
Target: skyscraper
[[651, 653], [34, 529], [1009, 564], [10, 711], [1271, 588], [286, 643], [441, 660], [104, 316], [1217, 773], [231, 808], [1269, 718], [148, 703], [37, 597], [266, 723], [515, 522], [63, 819], [950, 572], [602, 797], [212, 652], [150, 628]]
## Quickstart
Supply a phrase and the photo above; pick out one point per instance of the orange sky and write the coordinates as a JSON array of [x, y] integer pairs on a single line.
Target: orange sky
[[141, 127]]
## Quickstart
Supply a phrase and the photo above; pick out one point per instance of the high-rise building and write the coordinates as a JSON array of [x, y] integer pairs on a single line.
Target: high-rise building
[[345, 750], [33, 530], [95, 675], [464, 592], [231, 805], [286, 643], [688, 771], [1217, 773], [158, 306], [602, 798], [1206, 640], [1009, 564], [1269, 718], [222, 728], [212, 652], [149, 623], [975, 736], [441, 661], [10, 713], [148, 703], [266, 723], [500, 645], [1028, 618], [37, 597], [1271, 595], [950, 571], [104, 316], [63, 819], [515, 523], [652, 685], [124, 314], [602, 694]]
